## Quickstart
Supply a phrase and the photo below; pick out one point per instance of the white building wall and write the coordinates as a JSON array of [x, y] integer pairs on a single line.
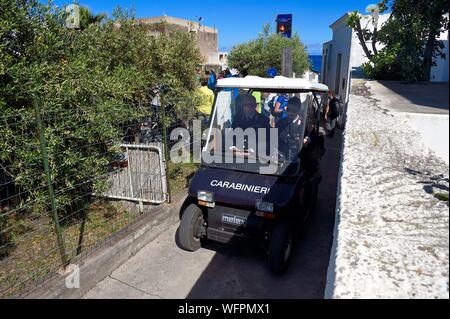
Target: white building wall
[[338, 76], [346, 42], [223, 59], [358, 57], [439, 72]]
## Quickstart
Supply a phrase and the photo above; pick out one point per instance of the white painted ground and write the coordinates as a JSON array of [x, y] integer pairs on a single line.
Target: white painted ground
[[434, 129], [391, 236]]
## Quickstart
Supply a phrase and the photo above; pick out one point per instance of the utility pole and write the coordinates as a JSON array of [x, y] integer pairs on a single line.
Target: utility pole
[[287, 63]]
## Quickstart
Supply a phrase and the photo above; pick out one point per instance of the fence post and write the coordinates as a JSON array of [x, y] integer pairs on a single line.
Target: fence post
[[44, 154], [165, 145]]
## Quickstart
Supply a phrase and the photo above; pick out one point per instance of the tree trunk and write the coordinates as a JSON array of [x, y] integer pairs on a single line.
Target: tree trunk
[[428, 56], [374, 41], [359, 33]]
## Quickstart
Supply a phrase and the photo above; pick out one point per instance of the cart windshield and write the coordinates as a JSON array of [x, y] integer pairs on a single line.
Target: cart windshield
[[257, 131]]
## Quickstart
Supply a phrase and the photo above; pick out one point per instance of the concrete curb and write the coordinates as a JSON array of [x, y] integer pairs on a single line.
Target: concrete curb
[[103, 261], [331, 272], [391, 235]]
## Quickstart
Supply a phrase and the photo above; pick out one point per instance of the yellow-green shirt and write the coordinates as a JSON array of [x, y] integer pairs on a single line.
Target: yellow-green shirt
[[257, 96], [207, 101]]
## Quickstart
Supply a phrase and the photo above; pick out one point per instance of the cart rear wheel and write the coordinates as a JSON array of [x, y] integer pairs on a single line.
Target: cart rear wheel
[[314, 195], [280, 247], [191, 226]]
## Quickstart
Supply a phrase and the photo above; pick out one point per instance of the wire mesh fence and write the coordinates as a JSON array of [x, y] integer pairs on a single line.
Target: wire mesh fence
[[64, 177]]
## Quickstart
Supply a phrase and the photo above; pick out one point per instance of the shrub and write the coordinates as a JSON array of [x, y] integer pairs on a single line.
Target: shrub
[[257, 56], [92, 84]]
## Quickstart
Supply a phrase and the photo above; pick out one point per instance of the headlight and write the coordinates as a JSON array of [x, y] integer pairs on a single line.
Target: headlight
[[205, 196], [264, 207]]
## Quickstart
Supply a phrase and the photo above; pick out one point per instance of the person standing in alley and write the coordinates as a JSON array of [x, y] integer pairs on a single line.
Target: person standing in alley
[[332, 112]]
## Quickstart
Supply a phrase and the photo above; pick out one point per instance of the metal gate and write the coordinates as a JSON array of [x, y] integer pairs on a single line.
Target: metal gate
[[139, 175]]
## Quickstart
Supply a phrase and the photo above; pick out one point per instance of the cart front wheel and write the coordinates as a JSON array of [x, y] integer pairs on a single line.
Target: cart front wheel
[[280, 247], [191, 228]]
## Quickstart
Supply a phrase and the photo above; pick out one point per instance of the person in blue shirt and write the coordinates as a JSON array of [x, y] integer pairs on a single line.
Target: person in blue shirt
[[290, 130], [212, 81], [279, 110]]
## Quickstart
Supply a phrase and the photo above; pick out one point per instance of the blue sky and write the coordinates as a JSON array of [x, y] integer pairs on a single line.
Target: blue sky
[[240, 20]]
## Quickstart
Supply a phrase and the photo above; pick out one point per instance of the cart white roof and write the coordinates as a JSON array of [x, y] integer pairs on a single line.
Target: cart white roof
[[276, 83]]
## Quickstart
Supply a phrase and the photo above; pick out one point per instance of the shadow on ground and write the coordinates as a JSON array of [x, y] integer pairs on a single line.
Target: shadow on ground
[[436, 185], [434, 95]]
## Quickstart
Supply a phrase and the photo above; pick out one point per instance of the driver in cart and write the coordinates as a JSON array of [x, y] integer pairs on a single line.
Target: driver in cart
[[247, 117]]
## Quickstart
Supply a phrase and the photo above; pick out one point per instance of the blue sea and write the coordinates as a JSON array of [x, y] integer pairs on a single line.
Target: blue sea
[[316, 62]]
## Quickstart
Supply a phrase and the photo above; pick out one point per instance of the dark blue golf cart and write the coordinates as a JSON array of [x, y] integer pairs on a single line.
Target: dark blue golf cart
[[257, 181]]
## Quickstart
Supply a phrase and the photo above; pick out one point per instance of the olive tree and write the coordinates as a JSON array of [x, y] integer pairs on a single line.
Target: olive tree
[[92, 83], [256, 56]]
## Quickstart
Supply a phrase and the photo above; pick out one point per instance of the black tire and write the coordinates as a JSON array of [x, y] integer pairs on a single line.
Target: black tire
[[188, 231], [280, 247]]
